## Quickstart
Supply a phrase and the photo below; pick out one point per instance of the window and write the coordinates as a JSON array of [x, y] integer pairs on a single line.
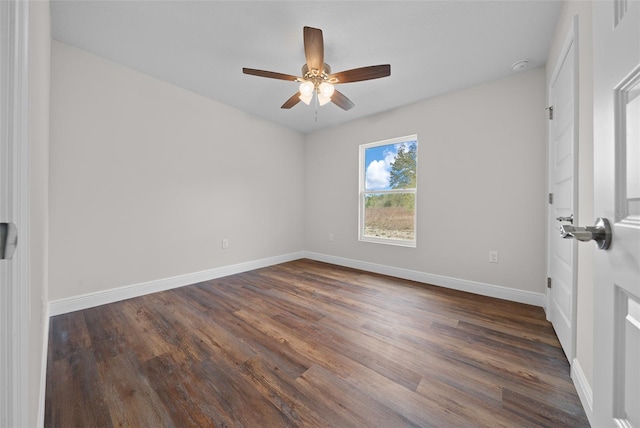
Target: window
[[388, 191]]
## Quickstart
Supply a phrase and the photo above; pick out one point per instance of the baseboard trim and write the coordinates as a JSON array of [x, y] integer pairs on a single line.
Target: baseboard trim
[[90, 300], [490, 290], [583, 388]]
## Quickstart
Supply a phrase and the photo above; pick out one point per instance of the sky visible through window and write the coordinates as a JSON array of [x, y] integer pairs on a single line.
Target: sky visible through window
[[378, 162]]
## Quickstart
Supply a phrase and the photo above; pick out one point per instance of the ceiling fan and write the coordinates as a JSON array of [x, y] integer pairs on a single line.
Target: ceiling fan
[[317, 77]]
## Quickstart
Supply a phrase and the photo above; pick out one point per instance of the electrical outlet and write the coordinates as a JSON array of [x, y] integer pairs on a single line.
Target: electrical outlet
[[493, 257], [225, 243], [331, 237]]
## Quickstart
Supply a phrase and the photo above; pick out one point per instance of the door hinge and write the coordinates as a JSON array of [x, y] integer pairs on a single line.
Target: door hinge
[[8, 240], [550, 110], [548, 282], [551, 198]]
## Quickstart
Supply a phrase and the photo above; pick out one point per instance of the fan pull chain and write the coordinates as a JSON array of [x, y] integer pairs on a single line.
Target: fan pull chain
[[316, 105]]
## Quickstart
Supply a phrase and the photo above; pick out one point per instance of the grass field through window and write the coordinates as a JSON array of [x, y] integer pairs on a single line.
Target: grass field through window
[[389, 222]]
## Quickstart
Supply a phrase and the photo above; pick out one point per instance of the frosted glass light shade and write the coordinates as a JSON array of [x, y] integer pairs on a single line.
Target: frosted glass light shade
[[323, 99], [306, 88], [306, 98], [326, 89]]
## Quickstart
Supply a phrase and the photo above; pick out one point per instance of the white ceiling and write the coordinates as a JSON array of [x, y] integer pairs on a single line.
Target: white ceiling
[[433, 47]]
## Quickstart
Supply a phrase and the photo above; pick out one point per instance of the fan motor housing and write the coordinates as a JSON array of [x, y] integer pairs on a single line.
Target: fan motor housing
[[323, 75]]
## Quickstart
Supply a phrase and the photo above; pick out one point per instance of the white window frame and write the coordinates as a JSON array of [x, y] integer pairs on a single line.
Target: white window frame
[[363, 193]]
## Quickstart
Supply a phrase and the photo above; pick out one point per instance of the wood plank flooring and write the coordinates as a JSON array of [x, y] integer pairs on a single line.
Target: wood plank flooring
[[308, 344]]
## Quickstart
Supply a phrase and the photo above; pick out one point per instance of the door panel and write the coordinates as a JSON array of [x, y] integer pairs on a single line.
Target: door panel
[[632, 172], [616, 385], [562, 183], [628, 323]]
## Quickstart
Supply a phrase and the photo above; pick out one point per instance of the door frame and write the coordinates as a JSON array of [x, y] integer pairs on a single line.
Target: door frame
[[15, 331], [571, 39]]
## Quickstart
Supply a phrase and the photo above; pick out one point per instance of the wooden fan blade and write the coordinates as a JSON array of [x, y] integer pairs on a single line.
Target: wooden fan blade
[[269, 74], [295, 99], [363, 73], [314, 48], [339, 99]]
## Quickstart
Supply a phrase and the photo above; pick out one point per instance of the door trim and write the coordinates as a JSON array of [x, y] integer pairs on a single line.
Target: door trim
[[15, 332], [571, 39]]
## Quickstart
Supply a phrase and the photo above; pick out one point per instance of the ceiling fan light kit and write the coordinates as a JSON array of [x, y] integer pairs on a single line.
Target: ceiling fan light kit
[[306, 92], [326, 89], [317, 77]]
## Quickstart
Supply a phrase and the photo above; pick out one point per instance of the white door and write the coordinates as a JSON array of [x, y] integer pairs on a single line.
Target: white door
[[562, 253], [616, 382], [14, 293]]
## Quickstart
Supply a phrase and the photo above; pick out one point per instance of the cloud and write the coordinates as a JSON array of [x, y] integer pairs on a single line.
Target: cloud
[[377, 175], [378, 171]]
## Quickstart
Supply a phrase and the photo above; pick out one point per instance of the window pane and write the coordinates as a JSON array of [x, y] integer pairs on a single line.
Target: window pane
[[390, 166], [390, 216]]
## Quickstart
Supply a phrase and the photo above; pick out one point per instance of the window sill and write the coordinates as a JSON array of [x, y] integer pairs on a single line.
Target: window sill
[[387, 241]]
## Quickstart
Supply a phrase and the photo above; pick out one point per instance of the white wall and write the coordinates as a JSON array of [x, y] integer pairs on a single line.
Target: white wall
[[481, 184], [39, 87], [584, 214], [147, 179]]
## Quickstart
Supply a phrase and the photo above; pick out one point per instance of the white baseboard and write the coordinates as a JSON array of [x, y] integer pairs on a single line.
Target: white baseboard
[[490, 290], [583, 388], [90, 300], [76, 303]]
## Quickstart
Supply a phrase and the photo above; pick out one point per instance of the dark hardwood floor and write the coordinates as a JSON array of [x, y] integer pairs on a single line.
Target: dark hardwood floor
[[309, 344]]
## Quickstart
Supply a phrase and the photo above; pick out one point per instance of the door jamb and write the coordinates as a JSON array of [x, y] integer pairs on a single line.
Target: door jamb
[[15, 331]]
